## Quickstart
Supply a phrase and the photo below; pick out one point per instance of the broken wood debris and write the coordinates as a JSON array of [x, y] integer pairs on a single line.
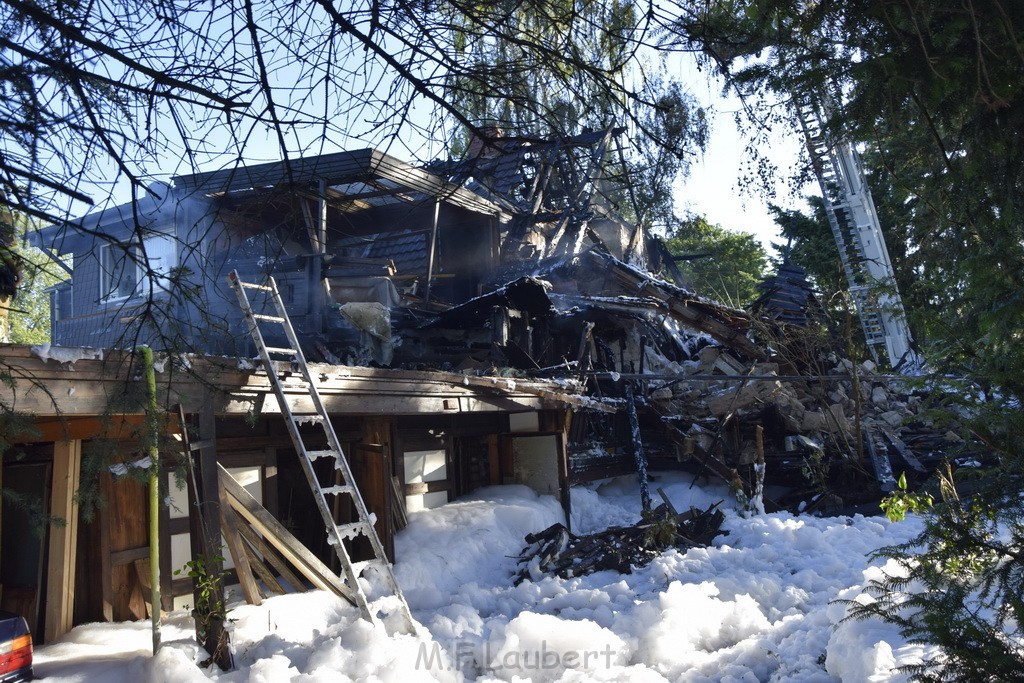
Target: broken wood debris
[[559, 552]]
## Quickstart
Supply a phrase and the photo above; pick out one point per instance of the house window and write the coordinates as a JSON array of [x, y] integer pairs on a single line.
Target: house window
[[62, 301], [124, 272]]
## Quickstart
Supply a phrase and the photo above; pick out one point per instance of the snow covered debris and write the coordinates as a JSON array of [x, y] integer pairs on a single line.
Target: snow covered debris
[[756, 605], [66, 354]]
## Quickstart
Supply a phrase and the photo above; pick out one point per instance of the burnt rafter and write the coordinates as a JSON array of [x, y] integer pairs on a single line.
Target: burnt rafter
[[366, 166], [726, 325], [548, 185]]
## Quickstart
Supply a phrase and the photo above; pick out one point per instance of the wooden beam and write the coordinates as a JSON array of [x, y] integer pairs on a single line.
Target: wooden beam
[[420, 488], [399, 516], [253, 558], [60, 574], [87, 387], [63, 428], [563, 420], [493, 460], [122, 557], [308, 564]]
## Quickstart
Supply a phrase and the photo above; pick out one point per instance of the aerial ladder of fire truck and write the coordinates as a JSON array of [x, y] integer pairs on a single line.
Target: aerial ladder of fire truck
[[858, 234]]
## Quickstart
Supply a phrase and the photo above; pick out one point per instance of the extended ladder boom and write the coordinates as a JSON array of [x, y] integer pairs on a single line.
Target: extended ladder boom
[[335, 533], [858, 234]]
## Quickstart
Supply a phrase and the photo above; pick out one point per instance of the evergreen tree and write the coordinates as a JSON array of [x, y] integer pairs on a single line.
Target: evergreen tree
[[936, 92]]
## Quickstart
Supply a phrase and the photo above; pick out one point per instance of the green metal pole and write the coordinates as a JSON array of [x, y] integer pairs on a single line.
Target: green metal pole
[[153, 429]]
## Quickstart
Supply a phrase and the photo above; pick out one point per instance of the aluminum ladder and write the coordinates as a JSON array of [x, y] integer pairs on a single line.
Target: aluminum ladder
[[335, 532], [858, 235]]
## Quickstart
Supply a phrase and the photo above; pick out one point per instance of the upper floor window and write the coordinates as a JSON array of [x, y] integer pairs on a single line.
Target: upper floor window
[[62, 300], [127, 271]]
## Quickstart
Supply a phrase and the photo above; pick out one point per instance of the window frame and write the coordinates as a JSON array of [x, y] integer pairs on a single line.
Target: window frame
[[118, 257]]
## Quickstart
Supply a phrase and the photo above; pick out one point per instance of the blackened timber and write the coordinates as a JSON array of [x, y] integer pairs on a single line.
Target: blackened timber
[[726, 325], [637, 447], [879, 459], [708, 460], [904, 452]]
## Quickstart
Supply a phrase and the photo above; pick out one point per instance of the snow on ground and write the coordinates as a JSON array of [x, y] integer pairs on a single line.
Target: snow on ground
[[758, 605]]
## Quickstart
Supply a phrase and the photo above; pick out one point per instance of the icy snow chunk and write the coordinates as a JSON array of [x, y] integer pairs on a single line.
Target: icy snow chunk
[[860, 651], [171, 665], [272, 669], [121, 469], [542, 647], [690, 619]]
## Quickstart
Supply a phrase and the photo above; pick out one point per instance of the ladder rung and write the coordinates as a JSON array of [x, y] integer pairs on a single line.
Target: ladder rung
[[375, 563], [311, 419], [253, 285], [268, 318], [316, 455], [337, 490], [275, 349], [351, 530]]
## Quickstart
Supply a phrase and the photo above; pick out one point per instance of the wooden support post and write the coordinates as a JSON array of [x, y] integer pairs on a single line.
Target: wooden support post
[[493, 459], [374, 453], [559, 422], [106, 566], [431, 252], [209, 501], [60, 575], [237, 549], [151, 438], [212, 635], [638, 448]]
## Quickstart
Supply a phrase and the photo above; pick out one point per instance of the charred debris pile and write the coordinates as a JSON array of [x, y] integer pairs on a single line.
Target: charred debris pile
[[557, 551], [713, 388], [696, 385]]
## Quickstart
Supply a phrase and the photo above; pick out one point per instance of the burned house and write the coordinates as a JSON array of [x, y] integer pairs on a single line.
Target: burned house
[[492, 320]]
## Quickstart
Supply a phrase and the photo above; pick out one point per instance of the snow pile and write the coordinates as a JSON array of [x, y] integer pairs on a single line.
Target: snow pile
[[460, 551], [759, 604]]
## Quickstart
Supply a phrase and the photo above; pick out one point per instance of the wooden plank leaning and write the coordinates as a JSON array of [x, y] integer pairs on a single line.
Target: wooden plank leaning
[[280, 538]]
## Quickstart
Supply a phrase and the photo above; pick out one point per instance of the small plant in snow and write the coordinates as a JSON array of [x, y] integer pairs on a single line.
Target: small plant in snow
[[898, 503], [210, 609], [660, 532]]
